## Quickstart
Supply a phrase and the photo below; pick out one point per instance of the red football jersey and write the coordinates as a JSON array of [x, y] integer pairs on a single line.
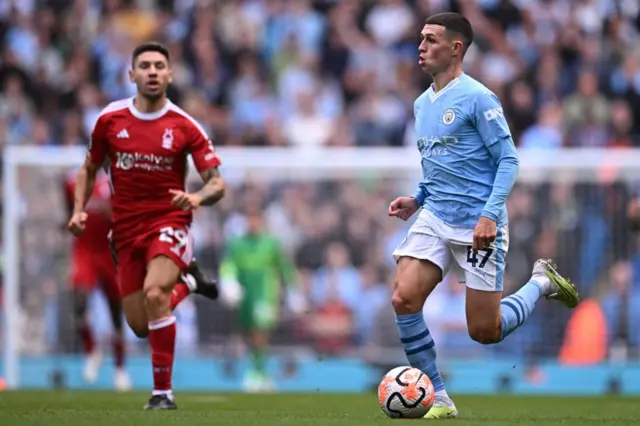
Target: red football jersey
[[148, 157], [95, 235]]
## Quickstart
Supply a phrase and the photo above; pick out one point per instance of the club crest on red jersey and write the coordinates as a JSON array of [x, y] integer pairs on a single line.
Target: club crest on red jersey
[[167, 139]]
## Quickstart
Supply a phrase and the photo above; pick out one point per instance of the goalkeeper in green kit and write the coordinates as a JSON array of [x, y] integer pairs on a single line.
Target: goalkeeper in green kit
[[252, 272]]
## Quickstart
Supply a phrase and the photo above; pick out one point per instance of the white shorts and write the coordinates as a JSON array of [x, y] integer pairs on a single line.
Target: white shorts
[[447, 246]]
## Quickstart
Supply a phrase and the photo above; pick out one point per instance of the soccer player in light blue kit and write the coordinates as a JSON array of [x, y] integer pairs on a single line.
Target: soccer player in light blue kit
[[469, 165]]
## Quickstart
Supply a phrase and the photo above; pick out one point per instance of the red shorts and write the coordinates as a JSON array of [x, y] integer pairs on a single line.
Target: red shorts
[[175, 242], [90, 268]]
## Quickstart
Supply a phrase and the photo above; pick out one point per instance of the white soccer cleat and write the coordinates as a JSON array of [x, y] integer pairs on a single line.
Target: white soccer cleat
[[92, 366], [121, 380], [258, 383], [266, 386], [251, 382], [443, 408]]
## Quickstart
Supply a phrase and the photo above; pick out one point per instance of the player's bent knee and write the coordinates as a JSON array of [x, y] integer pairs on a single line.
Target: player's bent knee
[[408, 297], [404, 305], [485, 334], [156, 296], [415, 280]]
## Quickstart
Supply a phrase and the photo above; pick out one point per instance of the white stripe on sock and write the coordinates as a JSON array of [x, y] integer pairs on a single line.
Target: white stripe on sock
[[162, 323]]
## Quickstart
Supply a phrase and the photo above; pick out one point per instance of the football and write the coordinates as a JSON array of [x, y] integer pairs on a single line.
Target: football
[[405, 392]]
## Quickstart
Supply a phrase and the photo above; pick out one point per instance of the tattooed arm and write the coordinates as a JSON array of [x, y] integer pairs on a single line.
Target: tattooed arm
[[211, 192], [213, 189], [206, 161]]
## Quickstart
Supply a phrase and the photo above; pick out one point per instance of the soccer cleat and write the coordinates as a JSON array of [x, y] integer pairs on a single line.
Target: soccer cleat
[[558, 288], [121, 380], [256, 382], [204, 285], [160, 402], [92, 366], [443, 408]]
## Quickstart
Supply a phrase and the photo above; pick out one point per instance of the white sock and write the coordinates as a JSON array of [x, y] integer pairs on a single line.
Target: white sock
[[442, 393], [168, 393], [543, 281]]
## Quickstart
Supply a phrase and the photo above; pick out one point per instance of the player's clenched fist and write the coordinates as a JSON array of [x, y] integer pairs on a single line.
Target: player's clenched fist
[[484, 234], [184, 200], [403, 207], [77, 223]]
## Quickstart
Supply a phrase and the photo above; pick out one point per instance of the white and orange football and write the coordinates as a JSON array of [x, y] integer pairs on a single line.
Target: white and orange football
[[406, 392]]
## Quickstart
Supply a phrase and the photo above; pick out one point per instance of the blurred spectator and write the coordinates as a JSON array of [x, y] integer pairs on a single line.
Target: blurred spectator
[[546, 133], [621, 306], [338, 276], [374, 295], [331, 322], [345, 71], [307, 127], [587, 113]]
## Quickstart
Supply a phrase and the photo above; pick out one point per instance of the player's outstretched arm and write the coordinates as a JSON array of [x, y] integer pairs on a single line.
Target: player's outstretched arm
[[85, 181]]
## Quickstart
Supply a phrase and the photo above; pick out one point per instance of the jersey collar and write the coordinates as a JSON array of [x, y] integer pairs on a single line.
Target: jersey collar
[[151, 115], [453, 83]]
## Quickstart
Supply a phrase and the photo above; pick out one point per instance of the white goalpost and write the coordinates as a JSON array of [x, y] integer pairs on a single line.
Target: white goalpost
[[239, 164]]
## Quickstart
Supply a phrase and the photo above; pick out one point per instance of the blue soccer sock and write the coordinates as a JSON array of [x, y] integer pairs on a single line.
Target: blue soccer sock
[[419, 346], [515, 309]]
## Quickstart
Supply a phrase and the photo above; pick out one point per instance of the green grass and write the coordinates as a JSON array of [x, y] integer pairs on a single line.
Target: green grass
[[109, 409]]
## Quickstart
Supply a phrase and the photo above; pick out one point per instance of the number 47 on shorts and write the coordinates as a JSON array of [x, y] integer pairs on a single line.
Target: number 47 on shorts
[[472, 257]]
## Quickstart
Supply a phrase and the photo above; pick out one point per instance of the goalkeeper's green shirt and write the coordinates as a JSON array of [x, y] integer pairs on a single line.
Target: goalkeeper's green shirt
[[258, 263]]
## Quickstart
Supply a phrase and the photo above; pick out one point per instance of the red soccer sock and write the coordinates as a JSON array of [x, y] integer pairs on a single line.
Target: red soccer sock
[[86, 335], [118, 351], [162, 338], [179, 293]]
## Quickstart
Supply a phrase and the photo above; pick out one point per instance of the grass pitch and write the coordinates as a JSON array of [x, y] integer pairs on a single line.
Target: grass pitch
[[59, 408]]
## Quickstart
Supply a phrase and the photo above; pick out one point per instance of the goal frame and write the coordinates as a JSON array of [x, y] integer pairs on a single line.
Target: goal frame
[[585, 165]]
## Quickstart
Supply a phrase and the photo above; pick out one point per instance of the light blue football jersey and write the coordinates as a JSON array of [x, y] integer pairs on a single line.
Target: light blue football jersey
[[469, 161]]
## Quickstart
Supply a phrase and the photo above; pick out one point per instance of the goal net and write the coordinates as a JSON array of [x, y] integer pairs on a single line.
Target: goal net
[[328, 208]]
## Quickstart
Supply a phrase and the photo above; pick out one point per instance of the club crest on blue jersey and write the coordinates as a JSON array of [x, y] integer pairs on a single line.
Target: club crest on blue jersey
[[449, 116]]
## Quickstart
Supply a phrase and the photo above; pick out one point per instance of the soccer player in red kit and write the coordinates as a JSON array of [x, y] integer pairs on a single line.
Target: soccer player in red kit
[[92, 266], [147, 140]]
